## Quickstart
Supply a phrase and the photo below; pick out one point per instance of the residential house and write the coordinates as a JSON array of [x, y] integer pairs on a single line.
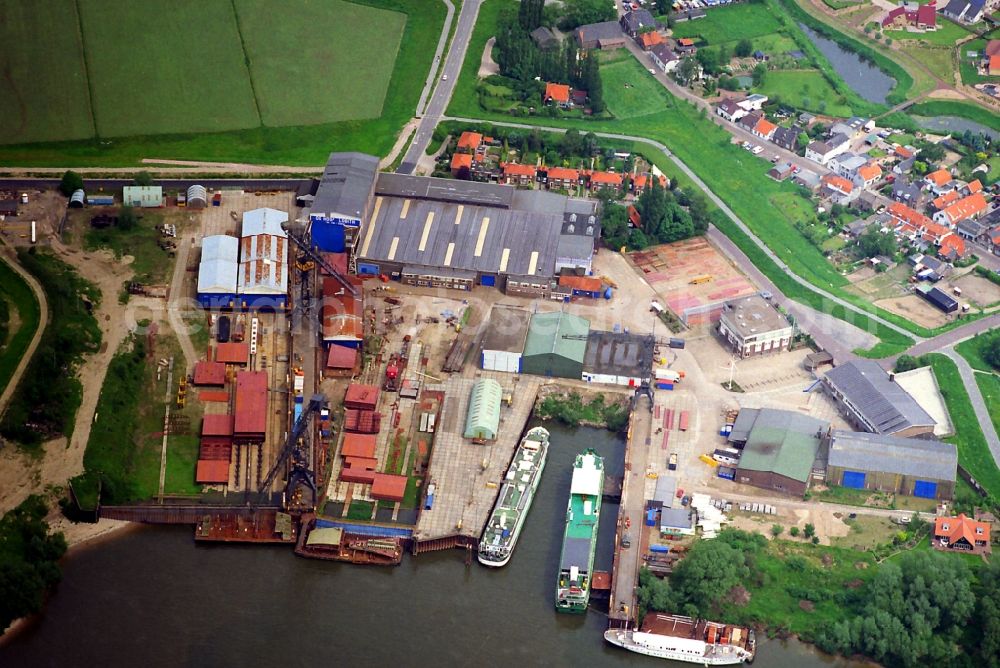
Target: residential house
[[461, 165], [868, 201], [605, 181], [853, 128], [807, 179], [787, 138], [993, 66], [962, 534], [952, 248], [753, 102], [972, 187], [838, 189], [938, 181], [469, 142], [556, 94], [906, 192], [606, 35], [994, 241], [637, 21], [665, 59], [970, 230], [730, 110], [514, 174], [847, 164], [912, 15], [749, 122], [935, 233], [685, 46], [822, 151], [942, 201], [634, 219], [562, 177], [856, 228], [544, 38], [807, 119], [764, 129], [907, 221], [965, 11], [968, 207], [640, 182], [904, 166], [647, 40], [867, 175], [902, 152]]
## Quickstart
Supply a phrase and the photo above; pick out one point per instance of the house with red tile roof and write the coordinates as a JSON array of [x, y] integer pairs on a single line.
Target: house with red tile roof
[[938, 179], [952, 248], [839, 189], [905, 217], [642, 181], [962, 534], [967, 207], [634, 219], [910, 15], [933, 233], [562, 177], [764, 129], [944, 200], [902, 152], [461, 165], [973, 187], [469, 142], [601, 180], [994, 66], [514, 174], [868, 175], [647, 40], [556, 93]]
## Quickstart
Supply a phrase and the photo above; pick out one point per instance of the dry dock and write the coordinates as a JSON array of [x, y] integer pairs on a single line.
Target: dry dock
[[465, 475]]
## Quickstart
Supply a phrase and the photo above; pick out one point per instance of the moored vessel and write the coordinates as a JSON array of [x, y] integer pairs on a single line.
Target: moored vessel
[[681, 638], [583, 516]]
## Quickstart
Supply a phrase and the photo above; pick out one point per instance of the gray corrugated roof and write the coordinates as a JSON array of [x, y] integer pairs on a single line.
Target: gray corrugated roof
[[619, 354], [861, 451], [447, 190], [743, 424], [346, 183], [882, 402], [675, 518]]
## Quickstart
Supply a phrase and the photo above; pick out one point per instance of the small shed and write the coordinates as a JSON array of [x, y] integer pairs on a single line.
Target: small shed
[[197, 197], [77, 199], [142, 196], [209, 373], [362, 397], [483, 419]]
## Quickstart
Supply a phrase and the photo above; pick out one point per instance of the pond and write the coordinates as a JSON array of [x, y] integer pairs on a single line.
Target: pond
[[949, 124], [864, 78]]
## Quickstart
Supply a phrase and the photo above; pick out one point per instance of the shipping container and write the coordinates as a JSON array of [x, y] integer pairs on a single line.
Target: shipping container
[[684, 420], [662, 549], [727, 472], [726, 456], [677, 343], [222, 329], [667, 375]]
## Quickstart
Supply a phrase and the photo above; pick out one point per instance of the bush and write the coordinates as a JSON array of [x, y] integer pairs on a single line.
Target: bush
[[71, 182], [794, 531]]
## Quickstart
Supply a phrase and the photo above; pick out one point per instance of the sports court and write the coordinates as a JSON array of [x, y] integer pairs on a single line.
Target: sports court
[[692, 278]]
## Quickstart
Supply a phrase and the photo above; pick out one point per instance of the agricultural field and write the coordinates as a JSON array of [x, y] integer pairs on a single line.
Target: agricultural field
[[946, 35], [630, 92], [804, 89], [730, 23], [311, 67], [186, 75], [43, 90], [939, 61]]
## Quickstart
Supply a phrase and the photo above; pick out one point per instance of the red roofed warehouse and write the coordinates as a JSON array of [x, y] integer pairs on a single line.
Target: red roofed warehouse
[[250, 406], [232, 353], [212, 472], [209, 373], [358, 445], [341, 358], [362, 397], [341, 313], [388, 487]]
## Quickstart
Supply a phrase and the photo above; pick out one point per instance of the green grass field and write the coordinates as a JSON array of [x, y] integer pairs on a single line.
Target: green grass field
[[938, 60], [967, 66], [970, 350], [946, 35], [732, 22], [631, 92], [804, 89], [150, 263], [973, 451], [180, 69], [43, 83], [22, 304], [314, 65], [292, 145]]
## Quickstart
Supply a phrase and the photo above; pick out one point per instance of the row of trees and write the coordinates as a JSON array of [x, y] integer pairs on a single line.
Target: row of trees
[[667, 215], [29, 560], [519, 58]]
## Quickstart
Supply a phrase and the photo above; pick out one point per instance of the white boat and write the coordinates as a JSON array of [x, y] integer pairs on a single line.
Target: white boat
[[514, 501], [684, 639]]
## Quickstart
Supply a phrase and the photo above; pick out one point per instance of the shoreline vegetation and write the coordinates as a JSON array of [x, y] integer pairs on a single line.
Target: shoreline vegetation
[[588, 409]]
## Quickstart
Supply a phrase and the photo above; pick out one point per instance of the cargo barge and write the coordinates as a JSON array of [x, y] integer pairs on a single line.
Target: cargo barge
[[685, 639], [583, 516], [336, 544], [514, 501]]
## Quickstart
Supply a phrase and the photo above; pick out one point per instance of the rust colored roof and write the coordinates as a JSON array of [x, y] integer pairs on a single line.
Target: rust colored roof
[[634, 217], [609, 178], [905, 214], [217, 425], [460, 160], [967, 207], [209, 373], [336, 260], [389, 487], [994, 64], [935, 232], [341, 357], [341, 311], [357, 474], [232, 353], [564, 174], [945, 199], [903, 152], [515, 169], [587, 283], [869, 172], [650, 39], [685, 41], [211, 471], [975, 186], [641, 180], [213, 395], [765, 127], [470, 140], [251, 403], [358, 445], [956, 528], [939, 178], [993, 47], [953, 242], [361, 396], [557, 92], [838, 183]]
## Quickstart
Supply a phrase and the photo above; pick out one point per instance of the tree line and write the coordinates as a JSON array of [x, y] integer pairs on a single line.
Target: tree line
[[518, 57], [666, 214], [29, 560]]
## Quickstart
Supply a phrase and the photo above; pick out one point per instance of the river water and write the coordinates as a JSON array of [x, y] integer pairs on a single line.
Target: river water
[[154, 598], [949, 124], [864, 78]]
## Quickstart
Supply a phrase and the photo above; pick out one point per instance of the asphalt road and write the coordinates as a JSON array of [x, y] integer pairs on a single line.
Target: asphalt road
[[300, 186], [434, 110]]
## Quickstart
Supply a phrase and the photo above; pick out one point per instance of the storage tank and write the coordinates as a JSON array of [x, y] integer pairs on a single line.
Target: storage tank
[[197, 197]]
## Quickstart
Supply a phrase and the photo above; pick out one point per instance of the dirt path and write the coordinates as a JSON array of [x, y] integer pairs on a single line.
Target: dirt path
[[178, 302], [43, 320], [487, 66], [400, 145]]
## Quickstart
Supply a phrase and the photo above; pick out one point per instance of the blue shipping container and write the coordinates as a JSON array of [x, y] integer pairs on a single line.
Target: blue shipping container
[[429, 503], [662, 549]]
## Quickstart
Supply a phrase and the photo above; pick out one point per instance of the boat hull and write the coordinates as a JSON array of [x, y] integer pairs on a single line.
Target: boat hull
[[623, 639]]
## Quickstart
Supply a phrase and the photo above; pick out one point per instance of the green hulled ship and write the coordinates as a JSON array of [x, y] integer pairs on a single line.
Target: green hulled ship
[[583, 515]]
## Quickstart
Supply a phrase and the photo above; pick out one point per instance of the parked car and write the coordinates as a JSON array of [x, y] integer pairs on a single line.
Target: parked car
[[757, 150]]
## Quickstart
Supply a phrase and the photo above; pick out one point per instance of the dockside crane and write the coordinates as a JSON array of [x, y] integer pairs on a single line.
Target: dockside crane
[[318, 258], [301, 472]]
